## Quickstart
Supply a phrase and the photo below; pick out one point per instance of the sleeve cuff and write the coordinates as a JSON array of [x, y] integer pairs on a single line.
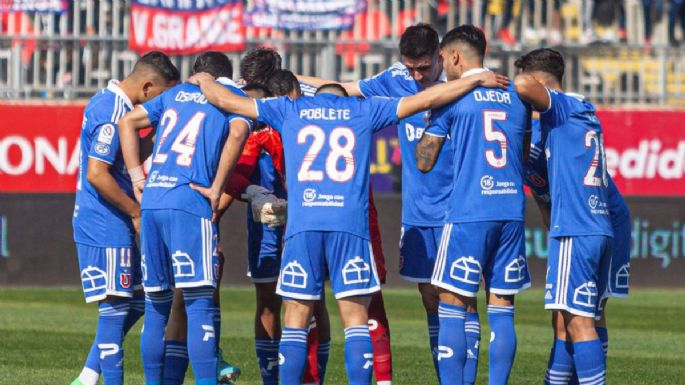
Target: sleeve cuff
[[101, 160], [433, 134]]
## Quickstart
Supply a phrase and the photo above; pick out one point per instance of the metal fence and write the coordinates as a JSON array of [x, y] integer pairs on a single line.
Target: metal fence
[[72, 55]]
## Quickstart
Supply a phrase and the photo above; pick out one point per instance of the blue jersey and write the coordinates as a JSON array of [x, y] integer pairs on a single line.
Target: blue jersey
[[424, 196], [487, 127], [327, 142], [190, 137], [96, 221], [576, 167]]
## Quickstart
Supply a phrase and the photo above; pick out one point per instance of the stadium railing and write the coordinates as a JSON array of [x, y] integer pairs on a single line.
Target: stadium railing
[[72, 55]]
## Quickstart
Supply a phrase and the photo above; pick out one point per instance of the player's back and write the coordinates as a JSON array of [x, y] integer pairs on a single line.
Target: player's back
[[327, 140], [576, 167], [190, 138], [487, 127], [94, 216]]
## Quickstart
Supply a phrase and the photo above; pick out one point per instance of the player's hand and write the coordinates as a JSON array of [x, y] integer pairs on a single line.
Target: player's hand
[[266, 207], [137, 175], [200, 77], [492, 79], [136, 223], [211, 195], [138, 191]]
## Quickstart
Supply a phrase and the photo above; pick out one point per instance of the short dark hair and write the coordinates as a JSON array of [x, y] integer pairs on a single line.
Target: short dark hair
[[418, 41], [214, 63], [160, 64], [544, 60], [258, 65], [258, 87], [333, 89], [283, 82], [469, 35]]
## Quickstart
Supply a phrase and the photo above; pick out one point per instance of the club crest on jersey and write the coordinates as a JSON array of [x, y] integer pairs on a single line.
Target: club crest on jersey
[[101, 148], [106, 134], [294, 275], [356, 271], [125, 280]]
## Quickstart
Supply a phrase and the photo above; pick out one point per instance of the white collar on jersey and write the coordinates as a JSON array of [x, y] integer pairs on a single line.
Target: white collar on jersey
[[227, 82], [473, 71], [575, 95], [113, 86]]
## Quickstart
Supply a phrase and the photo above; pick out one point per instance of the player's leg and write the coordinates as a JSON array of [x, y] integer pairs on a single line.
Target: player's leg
[[264, 259], [175, 344], [225, 371], [418, 250], [472, 329], [576, 289], [318, 344], [354, 279], [560, 367], [300, 283], [195, 261], [505, 274], [379, 326], [311, 369]]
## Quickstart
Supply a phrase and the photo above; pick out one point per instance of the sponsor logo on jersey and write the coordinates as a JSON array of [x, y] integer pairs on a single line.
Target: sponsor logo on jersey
[[309, 195], [312, 198], [106, 134], [490, 186], [597, 206]]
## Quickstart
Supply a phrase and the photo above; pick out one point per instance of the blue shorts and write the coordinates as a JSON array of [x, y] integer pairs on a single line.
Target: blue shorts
[[418, 250], [179, 250], [492, 250], [108, 271], [264, 246], [619, 276], [577, 274], [309, 255]]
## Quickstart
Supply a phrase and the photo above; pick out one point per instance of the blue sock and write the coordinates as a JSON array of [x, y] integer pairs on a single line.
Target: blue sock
[[603, 334], [175, 362], [201, 334], [136, 310], [292, 353], [451, 344], [433, 328], [502, 343], [472, 328], [109, 337], [590, 364], [267, 358], [358, 355], [216, 318], [157, 310], [560, 367], [322, 358]]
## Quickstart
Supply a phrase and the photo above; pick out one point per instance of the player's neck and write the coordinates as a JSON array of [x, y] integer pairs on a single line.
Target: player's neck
[[466, 67], [129, 89]]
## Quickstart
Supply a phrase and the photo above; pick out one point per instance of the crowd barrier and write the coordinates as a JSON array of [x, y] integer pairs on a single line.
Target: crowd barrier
[[39, 156]]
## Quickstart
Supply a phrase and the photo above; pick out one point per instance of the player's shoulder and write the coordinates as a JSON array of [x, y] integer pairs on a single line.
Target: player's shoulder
[[106, 106]]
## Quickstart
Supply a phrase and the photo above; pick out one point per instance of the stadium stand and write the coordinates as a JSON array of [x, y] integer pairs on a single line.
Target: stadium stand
[[617, 51]]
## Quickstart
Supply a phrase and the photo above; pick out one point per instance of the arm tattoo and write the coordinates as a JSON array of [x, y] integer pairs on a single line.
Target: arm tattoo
[[427, 152]]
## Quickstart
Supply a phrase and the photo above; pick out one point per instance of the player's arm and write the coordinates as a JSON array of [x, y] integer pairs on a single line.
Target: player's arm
[[223, 98], [352, 88], [233, 147], [532, 92], [129, 126], [545, 210], [441, 94], [427, 151], [101, 179]]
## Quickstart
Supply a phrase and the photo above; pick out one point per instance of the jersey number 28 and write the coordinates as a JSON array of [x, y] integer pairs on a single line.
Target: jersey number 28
[[336, 151]]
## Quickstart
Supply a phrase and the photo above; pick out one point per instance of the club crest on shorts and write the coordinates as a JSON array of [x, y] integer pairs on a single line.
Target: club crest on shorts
[[356, 271], [294, 275]]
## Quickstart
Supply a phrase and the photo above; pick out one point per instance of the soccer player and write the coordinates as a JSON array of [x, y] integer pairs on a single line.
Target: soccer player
[[196, 144], [543, 66], [107, 216], [424, 196], [484, 233], [327, 143]]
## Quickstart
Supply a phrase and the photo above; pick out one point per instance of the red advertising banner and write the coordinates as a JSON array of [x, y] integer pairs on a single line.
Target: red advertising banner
[[185, 28], [645, 150]]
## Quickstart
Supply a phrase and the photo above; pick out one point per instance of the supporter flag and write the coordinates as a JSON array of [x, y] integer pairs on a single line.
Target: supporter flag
[[57, 6], [303, 15], [187, 27]]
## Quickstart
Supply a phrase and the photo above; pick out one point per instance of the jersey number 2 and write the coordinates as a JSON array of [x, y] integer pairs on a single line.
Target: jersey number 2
[[590, 176], [337, 151], [184, 145], [493, 135]]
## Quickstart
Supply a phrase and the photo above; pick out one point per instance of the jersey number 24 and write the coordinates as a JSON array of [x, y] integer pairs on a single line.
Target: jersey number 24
[[184, 144]]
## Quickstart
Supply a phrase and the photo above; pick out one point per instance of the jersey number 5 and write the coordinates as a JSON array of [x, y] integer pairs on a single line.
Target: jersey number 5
[[337, 151], [184, 145], [493, 135]]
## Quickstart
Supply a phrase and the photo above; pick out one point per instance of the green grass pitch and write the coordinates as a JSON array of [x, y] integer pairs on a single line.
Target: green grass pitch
[[45, 334]]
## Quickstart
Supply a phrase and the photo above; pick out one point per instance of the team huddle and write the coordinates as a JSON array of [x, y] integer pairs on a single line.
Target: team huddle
[[297, 150]]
